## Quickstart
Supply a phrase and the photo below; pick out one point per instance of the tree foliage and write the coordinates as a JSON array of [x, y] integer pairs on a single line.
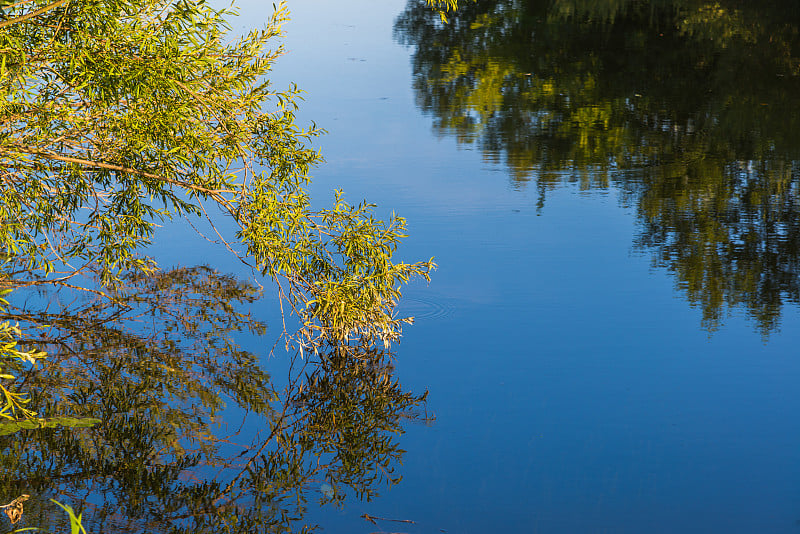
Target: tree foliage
[[442, 7], [13, 408], [118, 115]]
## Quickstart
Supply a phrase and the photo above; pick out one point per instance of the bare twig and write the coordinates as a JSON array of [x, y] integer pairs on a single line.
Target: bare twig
[[372, 518]]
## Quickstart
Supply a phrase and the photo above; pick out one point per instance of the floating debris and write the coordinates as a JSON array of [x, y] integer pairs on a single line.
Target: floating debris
[[14, 509]]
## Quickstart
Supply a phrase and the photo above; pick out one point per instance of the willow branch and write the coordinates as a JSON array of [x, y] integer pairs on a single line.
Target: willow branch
[[32, 14], [113, 167]]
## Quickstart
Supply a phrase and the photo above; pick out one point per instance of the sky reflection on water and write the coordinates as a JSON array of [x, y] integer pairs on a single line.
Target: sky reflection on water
[[598, 356], [575, 388]]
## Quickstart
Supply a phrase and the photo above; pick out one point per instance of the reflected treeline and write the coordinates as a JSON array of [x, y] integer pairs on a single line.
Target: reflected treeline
[[690, 108], [195, 436]]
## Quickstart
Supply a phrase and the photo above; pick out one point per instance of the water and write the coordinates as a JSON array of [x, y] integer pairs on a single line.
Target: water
[[610, 341], [583, 378]]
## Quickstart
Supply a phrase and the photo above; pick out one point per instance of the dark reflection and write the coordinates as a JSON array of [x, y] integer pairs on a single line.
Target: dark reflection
[[690, 108], [195, 435]]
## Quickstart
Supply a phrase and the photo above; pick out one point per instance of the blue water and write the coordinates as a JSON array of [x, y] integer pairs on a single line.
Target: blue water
[[573, 385]]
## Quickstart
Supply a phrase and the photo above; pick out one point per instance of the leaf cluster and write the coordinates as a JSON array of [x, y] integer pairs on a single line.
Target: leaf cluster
[[14, 415], [118, 115]]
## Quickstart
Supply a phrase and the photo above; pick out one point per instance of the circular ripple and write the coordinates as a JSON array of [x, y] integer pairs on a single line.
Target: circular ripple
[[423, 308]]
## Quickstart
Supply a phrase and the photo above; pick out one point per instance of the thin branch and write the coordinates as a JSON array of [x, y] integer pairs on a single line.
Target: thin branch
[[114, 167], [32, 14]]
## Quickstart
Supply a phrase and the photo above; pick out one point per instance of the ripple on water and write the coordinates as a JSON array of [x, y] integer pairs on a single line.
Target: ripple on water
[[421, 307]]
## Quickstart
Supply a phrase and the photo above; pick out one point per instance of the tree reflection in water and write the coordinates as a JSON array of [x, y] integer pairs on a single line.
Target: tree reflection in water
[[690, 108], [195, 436]]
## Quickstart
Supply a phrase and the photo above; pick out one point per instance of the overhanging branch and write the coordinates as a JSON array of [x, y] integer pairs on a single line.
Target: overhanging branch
[[114, 167], [32, 14]]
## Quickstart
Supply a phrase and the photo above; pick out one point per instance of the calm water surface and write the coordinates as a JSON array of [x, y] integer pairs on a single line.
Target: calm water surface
[[610, 342]]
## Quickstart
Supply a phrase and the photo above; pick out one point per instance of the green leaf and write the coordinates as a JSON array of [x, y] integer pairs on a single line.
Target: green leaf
[[74, 521]]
